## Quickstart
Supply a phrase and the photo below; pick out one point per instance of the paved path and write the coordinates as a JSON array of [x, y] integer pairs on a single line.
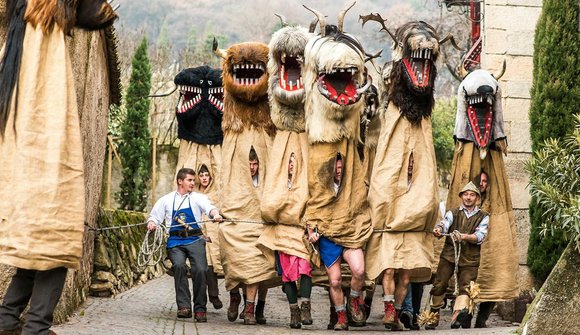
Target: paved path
[[151, 309]]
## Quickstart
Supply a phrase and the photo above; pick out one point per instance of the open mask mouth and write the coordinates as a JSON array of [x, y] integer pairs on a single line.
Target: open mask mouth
[[247, 74], [419, 68], [189, 97], [290, 70], [216, 97], [339, 86], [480, 117]]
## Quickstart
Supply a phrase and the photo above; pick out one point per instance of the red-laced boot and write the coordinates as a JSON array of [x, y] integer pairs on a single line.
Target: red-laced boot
[[342, 323], [249, 317], [355, 308], [391, 318]]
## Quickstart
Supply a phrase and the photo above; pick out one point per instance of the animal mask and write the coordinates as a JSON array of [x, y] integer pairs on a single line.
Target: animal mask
[[286, 85], [246, 87], [334, 81]]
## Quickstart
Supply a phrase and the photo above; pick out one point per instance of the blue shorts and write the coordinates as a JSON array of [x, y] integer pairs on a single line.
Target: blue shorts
[[329, 251]]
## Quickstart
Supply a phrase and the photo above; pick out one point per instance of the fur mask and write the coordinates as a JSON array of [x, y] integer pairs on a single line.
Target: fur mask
[[286, 84], [200, 106], [246, 87], [479, 116], [334, 82]]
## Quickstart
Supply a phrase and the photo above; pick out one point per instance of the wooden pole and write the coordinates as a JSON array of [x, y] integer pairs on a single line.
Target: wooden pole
[[154, 170], [109, 174]]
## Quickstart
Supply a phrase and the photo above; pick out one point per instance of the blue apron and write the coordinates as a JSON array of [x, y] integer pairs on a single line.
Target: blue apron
[[186, 215]]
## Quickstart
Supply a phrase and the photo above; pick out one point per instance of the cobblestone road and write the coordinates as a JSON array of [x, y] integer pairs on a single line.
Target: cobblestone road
[[151, 309]]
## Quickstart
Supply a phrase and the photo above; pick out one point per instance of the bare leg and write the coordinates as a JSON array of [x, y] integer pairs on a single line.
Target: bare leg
[[249, 317], [356, 261]]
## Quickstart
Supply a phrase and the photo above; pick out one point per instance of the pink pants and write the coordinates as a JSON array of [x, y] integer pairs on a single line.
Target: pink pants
[[293, 267]]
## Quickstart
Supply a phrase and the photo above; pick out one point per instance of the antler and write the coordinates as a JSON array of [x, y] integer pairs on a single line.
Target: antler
[[282, 20], [312, 26], [377, 17], [162, 94], [371, 56], [502, 71], [321, 20], [341, 16], [450, 37], [219, 52]]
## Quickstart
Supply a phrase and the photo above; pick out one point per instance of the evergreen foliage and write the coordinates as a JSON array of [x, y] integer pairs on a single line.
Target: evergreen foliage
[[135, 146], [555, 98], [443, 124]]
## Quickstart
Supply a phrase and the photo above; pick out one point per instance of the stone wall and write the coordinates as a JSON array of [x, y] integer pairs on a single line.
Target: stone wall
[[116, 250], [89, 57], [508, 29]]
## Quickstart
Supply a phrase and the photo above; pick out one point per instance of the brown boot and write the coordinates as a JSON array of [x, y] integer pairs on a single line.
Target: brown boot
[[342, 322], [355, 308], [391, 318], [295, 317], [305, 314], [249, 317], [235, 300]]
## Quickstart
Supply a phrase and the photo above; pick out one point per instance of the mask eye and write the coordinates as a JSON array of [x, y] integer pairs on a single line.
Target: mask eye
[[201, 81], [209, 82]]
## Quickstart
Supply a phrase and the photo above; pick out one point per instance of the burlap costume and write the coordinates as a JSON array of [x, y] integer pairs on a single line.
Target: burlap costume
[[246, 125], [499, 263], [403, 215]]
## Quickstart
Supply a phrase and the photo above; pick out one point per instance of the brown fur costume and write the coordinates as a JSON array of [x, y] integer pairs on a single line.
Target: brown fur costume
[[247, 125]]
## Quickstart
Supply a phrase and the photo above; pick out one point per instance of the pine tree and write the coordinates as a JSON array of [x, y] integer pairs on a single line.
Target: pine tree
[[555, 98], [135, 146]]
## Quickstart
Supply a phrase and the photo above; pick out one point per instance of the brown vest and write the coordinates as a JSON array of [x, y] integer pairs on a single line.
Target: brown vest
[[469, 251]]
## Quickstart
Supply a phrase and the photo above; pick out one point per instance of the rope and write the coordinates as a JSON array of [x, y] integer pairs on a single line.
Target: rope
[[151, 250], [456, 240]]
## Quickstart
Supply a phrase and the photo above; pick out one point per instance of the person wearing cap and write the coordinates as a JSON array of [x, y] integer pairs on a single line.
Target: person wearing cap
[[468, 226]]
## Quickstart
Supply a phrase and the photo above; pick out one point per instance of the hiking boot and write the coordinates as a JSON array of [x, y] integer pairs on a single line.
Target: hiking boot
[[391, 318], [260, 318], [249, 317], [295, 317], [406, 319], [341, 322], [305, 315], [216, 302], [433, 325], [200, 317], [355, 309], [367, 307], [333, 318], [235, 300], [184, 312]]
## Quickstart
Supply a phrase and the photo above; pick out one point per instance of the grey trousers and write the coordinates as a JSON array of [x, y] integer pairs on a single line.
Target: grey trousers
[[195, 252], [42, 289]]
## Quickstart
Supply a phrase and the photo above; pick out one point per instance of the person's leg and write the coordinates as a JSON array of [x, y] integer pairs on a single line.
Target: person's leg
[[406, 315], [16, 299], [251, 292], [356, 261], [417, 294], [485, 309], [369, 293], [292, 294], [233, 308], [442, 276], [182, 293], [305, 293], [461, 316], [389, 298], [198, 262], [212, 288], [336, 295], [48, 286], [262, 293]]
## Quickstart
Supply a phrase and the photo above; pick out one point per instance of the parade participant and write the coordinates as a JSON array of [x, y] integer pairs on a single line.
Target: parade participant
[[286, 181], [180, 210], [42, 229], [404, 211], [247, 127], [337, 219], [207, 186], [480, 143], [482, 182], [467, 225]]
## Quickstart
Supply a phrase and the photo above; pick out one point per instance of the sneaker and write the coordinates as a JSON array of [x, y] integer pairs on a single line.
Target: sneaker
[[341, 323], [184, 312], [249, 317], [200, 317], [235, 300], [406, 319], [216, 302], [305, 313], [355, 309]]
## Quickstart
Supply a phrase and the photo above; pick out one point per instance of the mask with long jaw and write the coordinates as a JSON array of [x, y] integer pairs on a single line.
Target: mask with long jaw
[[286, 85], [479, 110], [334, 83], [246, 87]]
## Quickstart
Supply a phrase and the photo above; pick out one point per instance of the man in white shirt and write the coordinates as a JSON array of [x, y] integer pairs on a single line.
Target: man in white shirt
[[180, 210]]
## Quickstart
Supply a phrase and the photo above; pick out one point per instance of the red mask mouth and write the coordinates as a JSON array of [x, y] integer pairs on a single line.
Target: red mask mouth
[[290, 73], [339, 86], [480, 119], [419, 71]]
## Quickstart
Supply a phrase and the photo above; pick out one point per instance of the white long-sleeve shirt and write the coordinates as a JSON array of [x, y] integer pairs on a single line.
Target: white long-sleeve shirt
[[163, 209], [480, 231]]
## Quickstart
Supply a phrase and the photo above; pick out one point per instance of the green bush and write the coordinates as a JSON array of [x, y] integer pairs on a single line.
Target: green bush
[[443, 124], [555, 98]]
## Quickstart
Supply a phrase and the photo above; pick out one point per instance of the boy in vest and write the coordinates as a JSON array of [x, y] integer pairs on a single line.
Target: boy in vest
[[468, 226]]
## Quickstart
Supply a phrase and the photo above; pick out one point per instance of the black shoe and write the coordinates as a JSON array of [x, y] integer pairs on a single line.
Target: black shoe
[[184, 313], [406, 318], [464, 319], [216, 302]]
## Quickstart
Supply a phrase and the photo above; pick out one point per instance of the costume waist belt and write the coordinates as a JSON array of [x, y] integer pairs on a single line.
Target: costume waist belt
[[186, 232]]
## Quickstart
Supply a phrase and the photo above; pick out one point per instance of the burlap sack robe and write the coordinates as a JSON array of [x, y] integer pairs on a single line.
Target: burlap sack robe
[[242, 261], [283, 206], [498, 267], [42, 197], [206, 157], [192, 155], [404, 215]]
